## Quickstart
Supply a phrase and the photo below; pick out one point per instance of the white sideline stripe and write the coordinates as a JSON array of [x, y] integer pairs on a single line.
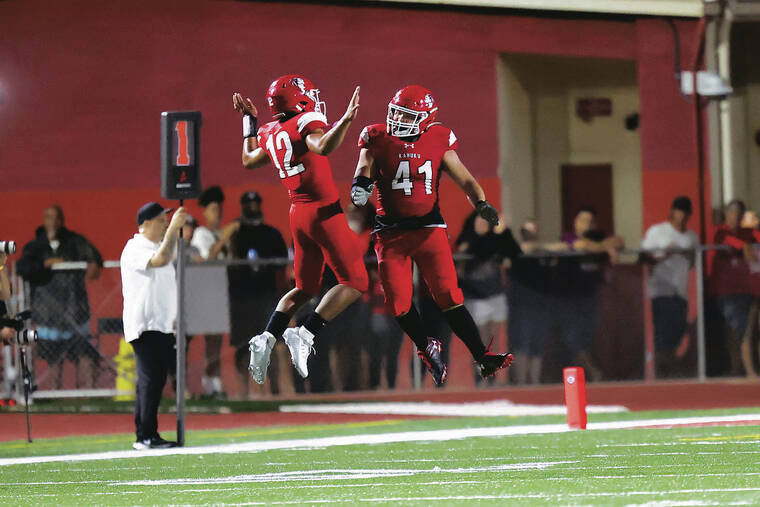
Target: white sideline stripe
[[382, 438], [480, 409], [337, 474]]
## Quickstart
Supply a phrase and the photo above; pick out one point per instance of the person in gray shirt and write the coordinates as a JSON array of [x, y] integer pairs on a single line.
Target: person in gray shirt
[[668, 280]]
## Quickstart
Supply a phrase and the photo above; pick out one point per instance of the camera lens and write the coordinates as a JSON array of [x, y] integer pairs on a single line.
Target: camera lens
[[25, 336], [8, 247]]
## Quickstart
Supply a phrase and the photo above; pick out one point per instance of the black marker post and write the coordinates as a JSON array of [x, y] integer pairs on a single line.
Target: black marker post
[[180, 179]]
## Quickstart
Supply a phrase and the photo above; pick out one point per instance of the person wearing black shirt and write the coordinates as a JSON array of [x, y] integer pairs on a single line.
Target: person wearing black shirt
[[482, 276], [59, 302], [254, 290]]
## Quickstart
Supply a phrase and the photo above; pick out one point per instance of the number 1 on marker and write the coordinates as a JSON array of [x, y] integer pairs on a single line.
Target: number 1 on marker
[[183, 153]]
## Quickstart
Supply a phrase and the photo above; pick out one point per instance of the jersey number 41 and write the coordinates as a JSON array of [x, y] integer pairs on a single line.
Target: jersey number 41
[[402, 181]]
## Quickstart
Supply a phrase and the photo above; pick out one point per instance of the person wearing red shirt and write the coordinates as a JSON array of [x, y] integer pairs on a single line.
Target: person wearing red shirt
[[297, 143], [731, 283]]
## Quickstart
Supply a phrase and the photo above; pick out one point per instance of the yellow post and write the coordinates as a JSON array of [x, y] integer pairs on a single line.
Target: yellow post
[[126, 372]]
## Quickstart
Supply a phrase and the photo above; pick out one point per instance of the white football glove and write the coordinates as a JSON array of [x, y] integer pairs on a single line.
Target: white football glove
[[360, 195]]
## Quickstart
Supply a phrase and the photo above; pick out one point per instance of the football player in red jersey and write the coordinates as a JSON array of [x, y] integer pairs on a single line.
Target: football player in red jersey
[[297, 142], [405, 157]]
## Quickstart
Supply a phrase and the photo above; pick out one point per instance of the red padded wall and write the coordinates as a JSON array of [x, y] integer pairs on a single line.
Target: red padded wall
[[83, 84]]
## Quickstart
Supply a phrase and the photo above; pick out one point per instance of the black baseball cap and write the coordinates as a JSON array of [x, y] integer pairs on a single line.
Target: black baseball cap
[[211, 194], [250, 196], [682, 203], [149, 211]]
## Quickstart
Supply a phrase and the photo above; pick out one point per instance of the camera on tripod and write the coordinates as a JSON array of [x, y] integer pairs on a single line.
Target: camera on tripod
[[8, 247], [23, 336]]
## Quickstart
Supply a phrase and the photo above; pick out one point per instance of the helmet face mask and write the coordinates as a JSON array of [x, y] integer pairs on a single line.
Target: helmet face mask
[[411, 110], [319, 105], [401, 128]]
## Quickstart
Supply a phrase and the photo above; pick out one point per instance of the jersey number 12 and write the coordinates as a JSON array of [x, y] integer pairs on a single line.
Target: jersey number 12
[[283, 141]]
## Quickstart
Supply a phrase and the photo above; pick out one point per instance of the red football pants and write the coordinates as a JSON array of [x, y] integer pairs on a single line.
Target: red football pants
[[321, 234], [429, 248]]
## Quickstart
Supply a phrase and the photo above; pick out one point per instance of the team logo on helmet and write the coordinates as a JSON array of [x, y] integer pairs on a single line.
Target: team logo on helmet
[[297, 81], [428, 100]]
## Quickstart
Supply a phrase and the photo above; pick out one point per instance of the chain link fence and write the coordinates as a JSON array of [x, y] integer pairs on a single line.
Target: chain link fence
[[570, 309]]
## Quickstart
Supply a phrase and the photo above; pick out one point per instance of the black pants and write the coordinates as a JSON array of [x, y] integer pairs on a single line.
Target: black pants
[[155, 354], [669, 315]]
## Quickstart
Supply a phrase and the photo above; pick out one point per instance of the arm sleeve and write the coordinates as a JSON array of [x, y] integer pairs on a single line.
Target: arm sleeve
[[364, 138], [203, 240], [136, 257], [311, 121], [649, 242], [509, 246], [89, 252], [723, 238], [31, 265], [453, 142]]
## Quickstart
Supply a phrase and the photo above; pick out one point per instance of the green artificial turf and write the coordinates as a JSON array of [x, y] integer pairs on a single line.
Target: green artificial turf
[[680, 466]]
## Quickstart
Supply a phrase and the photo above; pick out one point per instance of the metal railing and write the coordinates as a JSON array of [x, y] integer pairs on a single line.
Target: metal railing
[[624, 327]]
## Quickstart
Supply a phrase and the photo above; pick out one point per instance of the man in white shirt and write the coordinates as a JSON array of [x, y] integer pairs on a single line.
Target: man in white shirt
[[149, 288], [668, 280]]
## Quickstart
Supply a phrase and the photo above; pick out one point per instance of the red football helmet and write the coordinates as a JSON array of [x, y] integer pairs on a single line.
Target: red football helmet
[[417, 103], [293, 93]]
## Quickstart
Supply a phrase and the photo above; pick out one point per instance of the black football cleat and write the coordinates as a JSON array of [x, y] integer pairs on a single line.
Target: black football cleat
[[491, 362], [431, 356]]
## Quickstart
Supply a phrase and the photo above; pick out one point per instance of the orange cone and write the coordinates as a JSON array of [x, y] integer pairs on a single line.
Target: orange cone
[[575, 397]]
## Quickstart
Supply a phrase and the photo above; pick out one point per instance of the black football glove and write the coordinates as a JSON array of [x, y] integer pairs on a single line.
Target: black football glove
[[487, 212]]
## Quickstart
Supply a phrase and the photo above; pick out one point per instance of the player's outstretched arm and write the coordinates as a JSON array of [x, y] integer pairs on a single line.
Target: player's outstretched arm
[[364, 177], [467, 182], [324, 143], [253, 155]]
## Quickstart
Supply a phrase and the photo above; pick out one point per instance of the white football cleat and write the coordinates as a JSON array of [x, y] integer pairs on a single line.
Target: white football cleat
[[299, 341], [261, 348]]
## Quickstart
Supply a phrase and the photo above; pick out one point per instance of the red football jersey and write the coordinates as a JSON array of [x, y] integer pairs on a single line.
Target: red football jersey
[[307, 176], [407, 171]]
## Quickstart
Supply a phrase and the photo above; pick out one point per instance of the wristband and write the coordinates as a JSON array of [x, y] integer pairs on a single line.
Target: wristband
[[250, 126], [363, 182]]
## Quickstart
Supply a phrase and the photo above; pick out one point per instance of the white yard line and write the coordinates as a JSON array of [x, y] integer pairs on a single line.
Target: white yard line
[[386, 438], [496, 408]]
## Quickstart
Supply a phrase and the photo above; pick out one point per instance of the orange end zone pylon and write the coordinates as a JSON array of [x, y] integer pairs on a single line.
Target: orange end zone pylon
[[575, 397]]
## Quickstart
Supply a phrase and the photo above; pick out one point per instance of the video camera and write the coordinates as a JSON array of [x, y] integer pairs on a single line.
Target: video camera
[[8, 247], [23, 336]]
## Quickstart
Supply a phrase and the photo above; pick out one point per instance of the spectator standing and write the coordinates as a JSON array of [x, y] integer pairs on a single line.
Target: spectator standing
[[6, 333], [206, 239], [149, 287], [59, 304], [731, 283], [254, 289], [578, 282], [750, 220], [483, 277], [668, 280], [192, 254], [530, 303]]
